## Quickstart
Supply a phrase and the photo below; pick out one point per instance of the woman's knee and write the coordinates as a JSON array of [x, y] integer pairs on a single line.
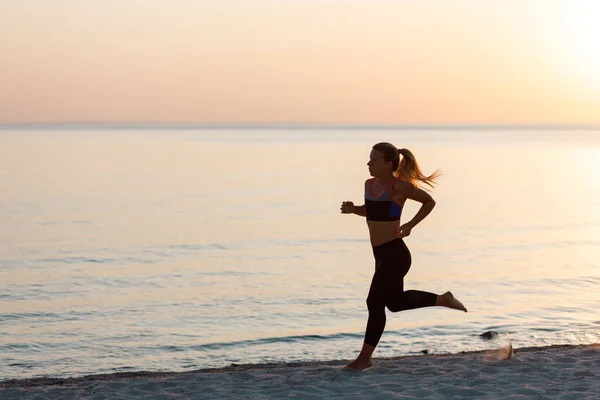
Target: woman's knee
[[395, 307], [375, 303]]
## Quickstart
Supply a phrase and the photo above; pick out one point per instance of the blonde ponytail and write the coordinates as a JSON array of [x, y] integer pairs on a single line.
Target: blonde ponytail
[[409, 170]]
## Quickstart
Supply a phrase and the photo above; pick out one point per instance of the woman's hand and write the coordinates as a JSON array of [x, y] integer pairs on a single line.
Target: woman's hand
[[347, 207], [404, 230]]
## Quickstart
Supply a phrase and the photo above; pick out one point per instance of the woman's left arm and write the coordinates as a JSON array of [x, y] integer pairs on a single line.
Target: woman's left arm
[[407, 190]]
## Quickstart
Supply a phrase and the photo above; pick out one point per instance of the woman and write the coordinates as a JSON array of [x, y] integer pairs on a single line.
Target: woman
[[394, 180]]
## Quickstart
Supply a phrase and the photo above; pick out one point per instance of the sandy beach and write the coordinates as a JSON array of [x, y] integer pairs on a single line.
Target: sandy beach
[[556, 372]]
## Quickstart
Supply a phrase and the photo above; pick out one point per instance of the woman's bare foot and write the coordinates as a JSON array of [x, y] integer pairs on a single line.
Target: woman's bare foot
[[448, 300], [360, 364], [363, 361]]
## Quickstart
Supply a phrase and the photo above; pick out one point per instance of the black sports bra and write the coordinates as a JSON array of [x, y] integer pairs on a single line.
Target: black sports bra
[[382, 207]]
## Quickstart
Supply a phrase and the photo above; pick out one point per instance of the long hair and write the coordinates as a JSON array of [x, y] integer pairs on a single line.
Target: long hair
[[406, 168]]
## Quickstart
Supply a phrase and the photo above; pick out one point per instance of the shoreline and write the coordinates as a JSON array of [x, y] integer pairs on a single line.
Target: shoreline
[[498, 356]]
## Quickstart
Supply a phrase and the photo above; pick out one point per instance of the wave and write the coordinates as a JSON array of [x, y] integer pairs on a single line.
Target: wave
[[273, 340]]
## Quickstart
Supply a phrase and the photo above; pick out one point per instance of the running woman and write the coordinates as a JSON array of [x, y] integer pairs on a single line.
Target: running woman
[[396, 177]]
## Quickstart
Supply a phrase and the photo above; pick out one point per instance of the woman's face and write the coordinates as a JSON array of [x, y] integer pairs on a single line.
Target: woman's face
[[377, 165]]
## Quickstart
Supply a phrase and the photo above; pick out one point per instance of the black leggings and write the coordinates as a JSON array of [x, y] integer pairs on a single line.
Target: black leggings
[[392, 262]]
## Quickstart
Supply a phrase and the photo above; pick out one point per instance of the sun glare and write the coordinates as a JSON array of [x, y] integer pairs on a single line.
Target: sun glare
[[582, 36]]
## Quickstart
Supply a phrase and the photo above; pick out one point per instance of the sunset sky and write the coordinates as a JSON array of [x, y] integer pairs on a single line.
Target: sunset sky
[[300, 61]]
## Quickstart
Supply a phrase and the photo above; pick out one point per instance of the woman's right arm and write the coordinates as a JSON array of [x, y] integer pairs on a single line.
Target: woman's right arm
[[360, 211], [348, 207]]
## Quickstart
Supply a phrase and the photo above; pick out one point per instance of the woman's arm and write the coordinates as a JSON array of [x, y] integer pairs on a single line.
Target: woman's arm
[[361, 211], [348, 207], [407, 190]]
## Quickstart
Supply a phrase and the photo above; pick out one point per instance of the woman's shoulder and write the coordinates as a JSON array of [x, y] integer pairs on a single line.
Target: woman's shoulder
[[403, 186]]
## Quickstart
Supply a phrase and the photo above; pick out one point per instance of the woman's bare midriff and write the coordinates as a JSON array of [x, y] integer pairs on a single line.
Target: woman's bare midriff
[[381, 232]]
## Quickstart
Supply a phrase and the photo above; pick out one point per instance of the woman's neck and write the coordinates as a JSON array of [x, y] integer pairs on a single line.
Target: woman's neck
[[384, 180]]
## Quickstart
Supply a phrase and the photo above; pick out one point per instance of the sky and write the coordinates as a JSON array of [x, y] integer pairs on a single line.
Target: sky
[[300, 61]]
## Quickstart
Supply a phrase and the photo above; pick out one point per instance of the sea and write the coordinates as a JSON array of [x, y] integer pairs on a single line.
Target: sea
[[129, 249]]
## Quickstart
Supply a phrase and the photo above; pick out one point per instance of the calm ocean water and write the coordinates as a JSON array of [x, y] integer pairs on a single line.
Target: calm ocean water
[[124, 250]]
